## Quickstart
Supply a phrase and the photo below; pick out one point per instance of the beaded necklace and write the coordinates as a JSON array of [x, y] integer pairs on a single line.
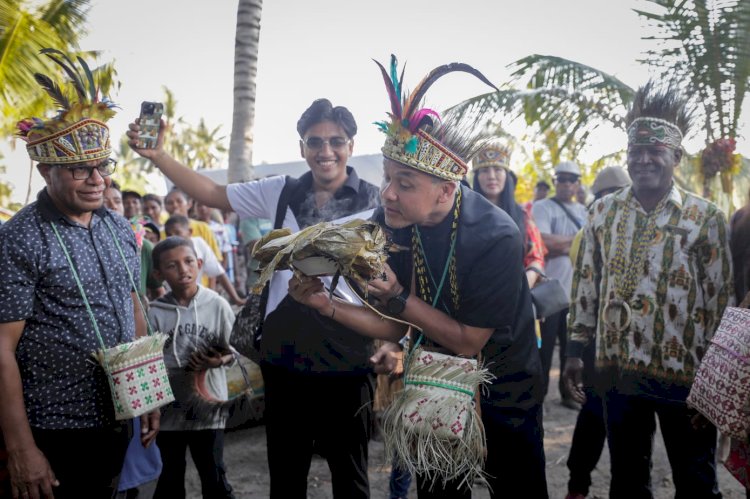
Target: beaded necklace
[[423, 271], [626, 271]]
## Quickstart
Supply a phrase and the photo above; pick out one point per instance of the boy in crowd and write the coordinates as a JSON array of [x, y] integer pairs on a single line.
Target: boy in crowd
[[198, 322], [178, 225], [132, 204]]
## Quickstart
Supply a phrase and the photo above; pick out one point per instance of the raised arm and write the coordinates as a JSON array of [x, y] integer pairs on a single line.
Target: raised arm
[[197, 186]]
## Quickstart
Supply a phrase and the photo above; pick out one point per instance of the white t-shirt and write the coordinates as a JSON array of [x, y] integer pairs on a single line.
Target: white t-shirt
[[211, 265], [551, 219]]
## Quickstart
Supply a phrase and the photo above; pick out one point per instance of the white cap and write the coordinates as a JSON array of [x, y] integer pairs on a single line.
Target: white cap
[[568, 167]]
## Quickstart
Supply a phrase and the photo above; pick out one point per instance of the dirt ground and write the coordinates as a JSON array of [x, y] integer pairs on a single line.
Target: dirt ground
[[245, 456]]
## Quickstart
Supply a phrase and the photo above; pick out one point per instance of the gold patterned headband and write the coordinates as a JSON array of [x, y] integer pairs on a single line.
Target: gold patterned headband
[[492, 157]]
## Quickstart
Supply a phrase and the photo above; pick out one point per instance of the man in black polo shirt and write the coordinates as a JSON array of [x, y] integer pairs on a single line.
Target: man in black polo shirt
[[317, 375], [56, 410], [459, 278]]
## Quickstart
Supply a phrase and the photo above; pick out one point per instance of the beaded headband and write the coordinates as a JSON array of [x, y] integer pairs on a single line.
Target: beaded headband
[[78, 133], [648, 131], [492, 157], [410, 139]]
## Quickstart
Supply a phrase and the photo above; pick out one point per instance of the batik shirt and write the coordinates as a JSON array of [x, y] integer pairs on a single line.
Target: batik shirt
[[63, 387], [682, 287]]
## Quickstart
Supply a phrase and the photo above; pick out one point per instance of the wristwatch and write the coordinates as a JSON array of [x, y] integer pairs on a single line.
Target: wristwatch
[[397, 304]]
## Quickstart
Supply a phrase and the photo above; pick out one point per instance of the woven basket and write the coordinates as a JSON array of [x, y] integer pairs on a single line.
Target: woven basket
[[432, 428], [138, 376]]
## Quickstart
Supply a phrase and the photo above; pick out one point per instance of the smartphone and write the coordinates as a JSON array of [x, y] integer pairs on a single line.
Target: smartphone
[[149, 121]]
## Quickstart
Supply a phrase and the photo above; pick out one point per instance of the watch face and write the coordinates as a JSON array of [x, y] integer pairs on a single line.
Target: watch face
[[396, 305]]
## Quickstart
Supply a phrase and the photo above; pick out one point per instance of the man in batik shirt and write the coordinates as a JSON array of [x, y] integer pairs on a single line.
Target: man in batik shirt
[[652, 279]]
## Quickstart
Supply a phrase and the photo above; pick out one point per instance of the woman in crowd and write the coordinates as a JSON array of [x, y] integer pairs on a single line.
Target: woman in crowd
[[494, 180]]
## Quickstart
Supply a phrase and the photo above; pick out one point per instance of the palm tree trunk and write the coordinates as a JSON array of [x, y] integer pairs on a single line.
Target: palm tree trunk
[[245, 72]]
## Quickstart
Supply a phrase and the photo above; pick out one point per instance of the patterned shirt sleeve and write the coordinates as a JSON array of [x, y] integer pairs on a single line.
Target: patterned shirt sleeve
[[17, 279], [715, 270], [585, 291]]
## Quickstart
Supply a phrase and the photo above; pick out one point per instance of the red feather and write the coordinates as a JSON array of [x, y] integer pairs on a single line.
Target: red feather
[[395, 102]]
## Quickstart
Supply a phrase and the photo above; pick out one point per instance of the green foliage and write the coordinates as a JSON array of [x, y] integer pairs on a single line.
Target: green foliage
[[705, 46], [25, 28]]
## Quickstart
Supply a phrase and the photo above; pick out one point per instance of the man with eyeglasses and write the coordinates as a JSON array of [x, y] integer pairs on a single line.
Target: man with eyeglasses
[[559, 218], [55, 398], [318, 379]]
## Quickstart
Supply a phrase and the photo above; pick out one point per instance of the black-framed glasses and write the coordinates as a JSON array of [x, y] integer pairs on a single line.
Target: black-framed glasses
[[316, 143], [80, 172]]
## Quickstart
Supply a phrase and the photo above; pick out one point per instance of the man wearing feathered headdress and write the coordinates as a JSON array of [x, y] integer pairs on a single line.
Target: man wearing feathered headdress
[[54, 397], [459, 278], [652, 278]]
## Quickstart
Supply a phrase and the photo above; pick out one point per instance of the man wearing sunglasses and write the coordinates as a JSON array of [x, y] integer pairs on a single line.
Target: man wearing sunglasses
[[55, 399], [559, 218], [318, 380]]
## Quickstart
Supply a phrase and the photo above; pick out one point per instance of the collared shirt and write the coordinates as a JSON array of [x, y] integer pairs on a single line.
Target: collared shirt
[[63, 386], [492, 293], [683, 286], [294, 335]]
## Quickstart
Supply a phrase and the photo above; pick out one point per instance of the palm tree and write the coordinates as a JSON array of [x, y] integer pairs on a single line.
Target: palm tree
[[702, 45], [245, 72]]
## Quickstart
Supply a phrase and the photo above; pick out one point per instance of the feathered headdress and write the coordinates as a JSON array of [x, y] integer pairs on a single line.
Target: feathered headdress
[[78, 132], [417, 137]]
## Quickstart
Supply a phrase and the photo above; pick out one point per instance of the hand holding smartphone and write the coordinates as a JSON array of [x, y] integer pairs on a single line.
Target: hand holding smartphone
[[149, 122]]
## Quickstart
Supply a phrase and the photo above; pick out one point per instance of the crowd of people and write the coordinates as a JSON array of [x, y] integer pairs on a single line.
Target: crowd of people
[[646, 268]]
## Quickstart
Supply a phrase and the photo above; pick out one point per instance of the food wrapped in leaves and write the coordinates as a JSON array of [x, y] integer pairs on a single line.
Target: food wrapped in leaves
[[355, 249]]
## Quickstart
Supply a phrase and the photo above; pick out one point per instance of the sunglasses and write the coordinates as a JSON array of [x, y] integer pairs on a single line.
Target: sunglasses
[[316, 143], [105, 169], [566, 180]]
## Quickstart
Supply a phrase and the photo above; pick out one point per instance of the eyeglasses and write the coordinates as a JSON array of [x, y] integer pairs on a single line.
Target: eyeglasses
[[105, 169], [566, 180], [316, 143]]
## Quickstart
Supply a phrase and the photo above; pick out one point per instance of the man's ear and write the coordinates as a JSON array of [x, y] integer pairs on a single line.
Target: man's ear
[[301, 148], [199, 262], [157, 274], [677, 157], [447, 191], [44, 171]]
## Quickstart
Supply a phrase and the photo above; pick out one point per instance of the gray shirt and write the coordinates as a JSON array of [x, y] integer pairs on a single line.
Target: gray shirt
[[63, 387], [551, 219]]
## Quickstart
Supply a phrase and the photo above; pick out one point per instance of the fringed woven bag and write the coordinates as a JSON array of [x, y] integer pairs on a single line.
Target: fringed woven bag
[[433, 427], [135, 370]]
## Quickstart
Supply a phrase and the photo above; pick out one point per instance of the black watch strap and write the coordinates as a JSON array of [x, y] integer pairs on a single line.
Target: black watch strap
[[397, 304]]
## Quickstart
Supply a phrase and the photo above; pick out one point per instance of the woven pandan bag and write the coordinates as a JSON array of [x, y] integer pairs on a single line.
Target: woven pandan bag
[[433, 427], [721, 389]]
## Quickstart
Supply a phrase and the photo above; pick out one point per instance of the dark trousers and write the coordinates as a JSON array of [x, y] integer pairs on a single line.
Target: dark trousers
[[515, 459], [588, 442], [554, 328], [331, 413], [631, 424], [206, 449], [86, 462]]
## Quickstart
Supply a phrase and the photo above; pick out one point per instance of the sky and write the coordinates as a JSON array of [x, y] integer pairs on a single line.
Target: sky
[[319, 49]]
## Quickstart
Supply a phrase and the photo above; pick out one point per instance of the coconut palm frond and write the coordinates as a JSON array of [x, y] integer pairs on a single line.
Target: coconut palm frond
[[704, 45]]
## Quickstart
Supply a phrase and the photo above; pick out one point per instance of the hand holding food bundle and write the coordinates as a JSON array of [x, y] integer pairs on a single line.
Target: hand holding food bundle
[[355, 249]]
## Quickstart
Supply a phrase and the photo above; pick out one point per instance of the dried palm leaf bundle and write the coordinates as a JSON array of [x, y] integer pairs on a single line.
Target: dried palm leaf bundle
[[355, 250]]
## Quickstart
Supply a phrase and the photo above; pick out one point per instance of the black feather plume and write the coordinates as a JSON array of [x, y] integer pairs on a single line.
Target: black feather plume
[[53, 90], [70, 69], [89, 78]]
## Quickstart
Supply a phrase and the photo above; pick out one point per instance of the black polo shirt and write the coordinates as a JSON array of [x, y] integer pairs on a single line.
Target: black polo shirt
[[493, 293]]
